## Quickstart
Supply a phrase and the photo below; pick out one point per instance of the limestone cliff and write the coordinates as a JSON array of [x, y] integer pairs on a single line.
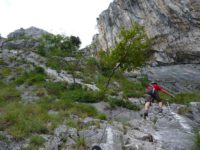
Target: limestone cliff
[[173, 23]]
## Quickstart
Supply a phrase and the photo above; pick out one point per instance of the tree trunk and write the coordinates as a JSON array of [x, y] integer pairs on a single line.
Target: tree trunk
[[111, 75]]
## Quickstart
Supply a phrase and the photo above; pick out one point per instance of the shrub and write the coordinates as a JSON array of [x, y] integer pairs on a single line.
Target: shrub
[[81, 95], [101, 116], [81, 143], [37, 140], [35, 76], [122, 103], [55, 88], [83, 110]]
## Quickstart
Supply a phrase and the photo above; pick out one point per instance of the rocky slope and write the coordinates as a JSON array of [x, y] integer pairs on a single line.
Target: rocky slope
[[173, 23], [124, 129]]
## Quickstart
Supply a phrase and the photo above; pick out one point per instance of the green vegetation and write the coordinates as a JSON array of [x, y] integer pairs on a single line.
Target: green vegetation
[[22, 38], [185, 98], [20, 120], [81, 95], [35, 76], [130, 53], [183, 110], [123, 103], [154, 120], [72, 123], [196, 141], [36, 142], [5, 72], [198, 87], [8, 93], [57, 47], [2, 62], [131, 89], [102, 116], [81, 144], [3, 138]]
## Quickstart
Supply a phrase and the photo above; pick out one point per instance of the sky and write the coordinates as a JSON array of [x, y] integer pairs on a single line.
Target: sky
[[68, 17]]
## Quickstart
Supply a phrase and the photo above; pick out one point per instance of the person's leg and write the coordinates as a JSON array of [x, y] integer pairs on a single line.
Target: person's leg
[[160, 104], [157, 97], [146, 109], [160, 107], [147, 105]]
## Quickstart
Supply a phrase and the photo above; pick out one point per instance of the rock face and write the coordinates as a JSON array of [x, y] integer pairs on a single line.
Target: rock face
[[182, 78], [173, 23], [29, 32], [22, 39]]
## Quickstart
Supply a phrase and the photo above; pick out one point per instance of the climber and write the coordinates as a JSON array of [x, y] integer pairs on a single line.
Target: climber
[[152, 94]]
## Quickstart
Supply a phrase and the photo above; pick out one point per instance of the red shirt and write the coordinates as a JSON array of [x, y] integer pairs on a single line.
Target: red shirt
[[156, 86]]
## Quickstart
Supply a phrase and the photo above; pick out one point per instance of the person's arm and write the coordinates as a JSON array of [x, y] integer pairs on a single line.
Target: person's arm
[[166, 92]]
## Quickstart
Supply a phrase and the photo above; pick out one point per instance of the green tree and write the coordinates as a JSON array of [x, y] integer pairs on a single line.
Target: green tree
[[75, 41], [131, 52], [57, 45]]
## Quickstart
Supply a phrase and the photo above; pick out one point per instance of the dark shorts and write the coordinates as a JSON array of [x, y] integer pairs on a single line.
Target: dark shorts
[[152, 95]]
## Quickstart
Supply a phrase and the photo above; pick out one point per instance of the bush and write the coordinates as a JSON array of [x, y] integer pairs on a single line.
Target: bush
[[101, 116], [122, 103], [55, 88], [81, 95], [83, 110], [35, 76], [39, 70], [81, 143]]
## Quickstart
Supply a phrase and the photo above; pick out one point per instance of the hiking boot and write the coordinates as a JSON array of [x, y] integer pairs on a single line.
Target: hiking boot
[[160, 110], [145, 114]]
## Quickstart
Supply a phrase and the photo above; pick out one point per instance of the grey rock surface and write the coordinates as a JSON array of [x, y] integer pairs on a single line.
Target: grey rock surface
[[195, 107], [22, 39], [29, 32], [177, 78]]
